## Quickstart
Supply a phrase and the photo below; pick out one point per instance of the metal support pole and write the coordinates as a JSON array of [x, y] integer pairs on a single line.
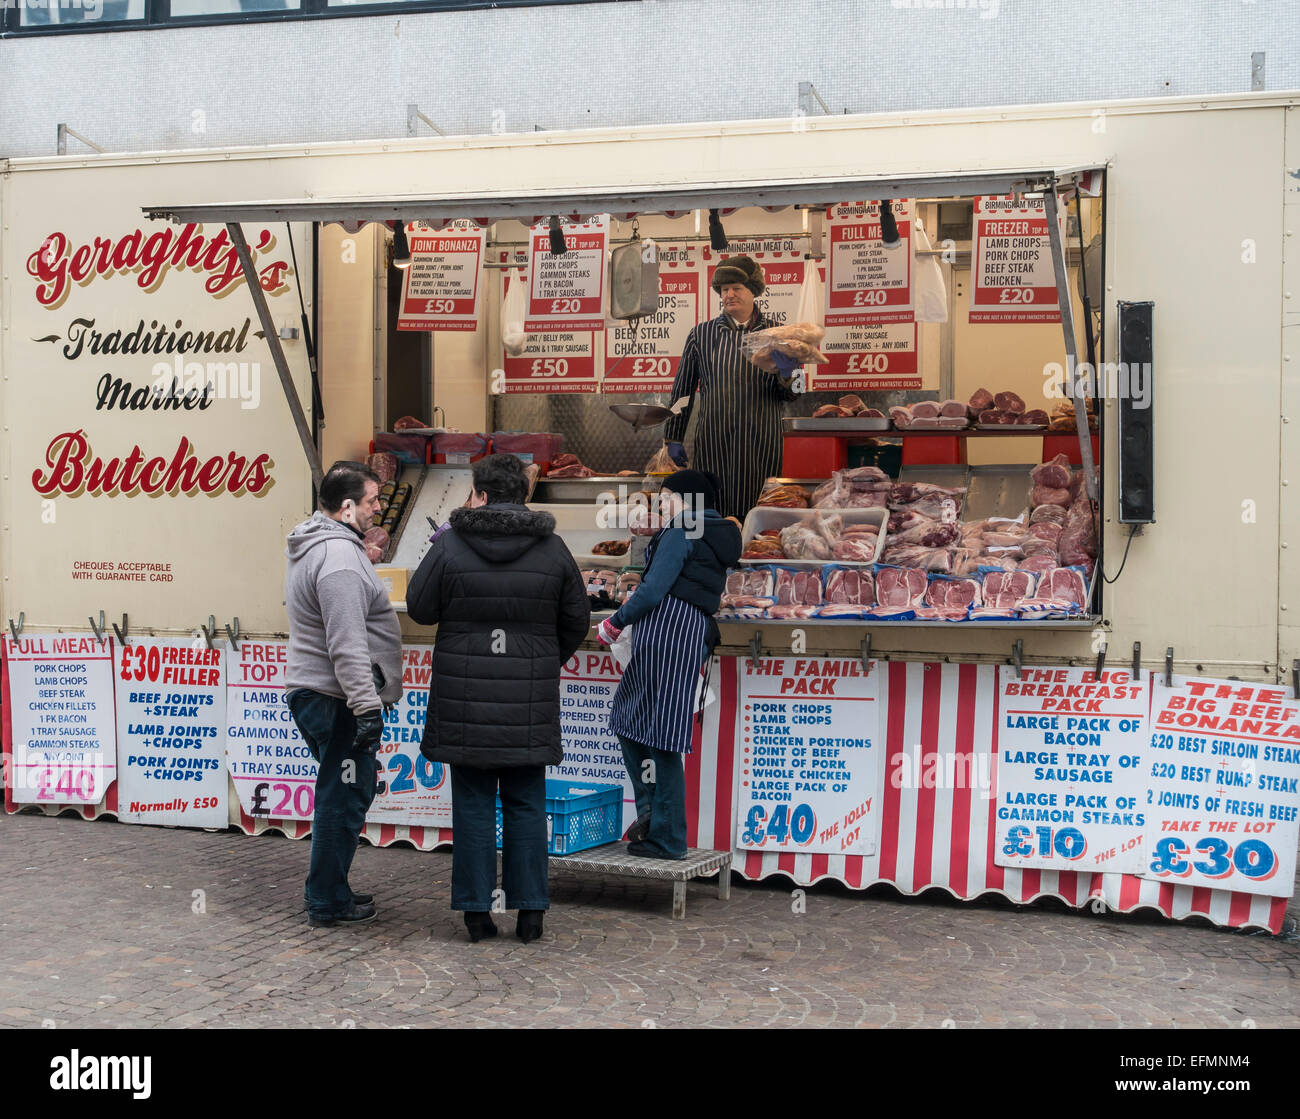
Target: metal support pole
[[277, 351], [1071, 345]]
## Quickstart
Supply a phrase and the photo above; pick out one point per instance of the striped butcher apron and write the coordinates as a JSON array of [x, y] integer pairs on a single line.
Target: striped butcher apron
[[738, 436]]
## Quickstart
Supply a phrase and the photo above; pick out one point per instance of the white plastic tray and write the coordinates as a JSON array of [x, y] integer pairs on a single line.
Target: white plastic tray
[[762, 518]]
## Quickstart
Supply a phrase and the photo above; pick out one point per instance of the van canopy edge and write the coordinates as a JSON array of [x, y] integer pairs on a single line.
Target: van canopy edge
[[529, 205]]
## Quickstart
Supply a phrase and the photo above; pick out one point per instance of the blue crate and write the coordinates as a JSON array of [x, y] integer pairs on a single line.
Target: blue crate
[[578, 816]]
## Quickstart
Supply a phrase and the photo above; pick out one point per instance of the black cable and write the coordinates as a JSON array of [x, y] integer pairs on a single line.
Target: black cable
[[1132, 532]]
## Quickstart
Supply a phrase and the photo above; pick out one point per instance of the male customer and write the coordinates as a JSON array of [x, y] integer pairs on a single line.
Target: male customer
[[344, 667], [511, 609]]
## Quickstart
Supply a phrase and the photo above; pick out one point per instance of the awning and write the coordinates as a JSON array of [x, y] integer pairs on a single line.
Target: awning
[[528, 206]]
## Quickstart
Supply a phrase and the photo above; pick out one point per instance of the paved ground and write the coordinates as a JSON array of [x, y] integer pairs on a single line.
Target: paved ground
[[98, 929]]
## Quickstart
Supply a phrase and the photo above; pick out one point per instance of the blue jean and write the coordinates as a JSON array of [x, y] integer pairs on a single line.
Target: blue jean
[[343, 794], [663, 797], [474, 838]]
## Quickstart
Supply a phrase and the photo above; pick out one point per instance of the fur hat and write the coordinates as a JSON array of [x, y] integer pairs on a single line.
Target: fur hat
[[739, 270]]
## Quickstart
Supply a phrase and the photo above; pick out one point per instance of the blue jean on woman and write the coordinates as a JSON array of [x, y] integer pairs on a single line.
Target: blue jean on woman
[[659, 786], [474, 838]]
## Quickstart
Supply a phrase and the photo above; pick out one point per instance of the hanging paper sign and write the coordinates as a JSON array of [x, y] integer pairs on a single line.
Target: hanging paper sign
[[1223, 773], [880, 355], [566, 291], [809, 775], [1012, 277], [642, 355], [868, 282], [591, 750], [273, 771], [1070, 787], [412, 790], [60, 706], [553, 361], [782, 262], [441, 288], [171, 731]]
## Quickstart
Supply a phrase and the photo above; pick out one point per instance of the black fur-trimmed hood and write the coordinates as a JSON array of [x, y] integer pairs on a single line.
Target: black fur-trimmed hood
[[501, 533]]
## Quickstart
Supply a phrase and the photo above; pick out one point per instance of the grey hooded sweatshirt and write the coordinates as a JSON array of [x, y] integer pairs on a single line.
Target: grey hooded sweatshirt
[[340, 619]]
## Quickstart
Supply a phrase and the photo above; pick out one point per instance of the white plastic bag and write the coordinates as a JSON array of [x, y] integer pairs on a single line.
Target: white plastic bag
[[621, 650], [812, 301], [513, 312], [930, 292]]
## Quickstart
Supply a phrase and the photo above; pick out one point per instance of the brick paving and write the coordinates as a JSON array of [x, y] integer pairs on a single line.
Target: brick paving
[[98, 929]]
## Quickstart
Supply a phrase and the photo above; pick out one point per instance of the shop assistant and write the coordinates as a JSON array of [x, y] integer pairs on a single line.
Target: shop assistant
[[738, 437]]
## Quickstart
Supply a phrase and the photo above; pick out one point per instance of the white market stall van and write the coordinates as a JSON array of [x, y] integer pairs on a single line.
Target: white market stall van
[[171, 509]]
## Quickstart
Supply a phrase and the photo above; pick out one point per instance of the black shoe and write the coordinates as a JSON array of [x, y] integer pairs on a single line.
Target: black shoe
[[529, 925], [646, 850], [357, 899], [356, 915], [480, 925], [639, 829]]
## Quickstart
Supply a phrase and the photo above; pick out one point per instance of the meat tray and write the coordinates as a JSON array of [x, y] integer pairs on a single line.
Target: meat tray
[[1012, 427], [845, 423], [762, 518]]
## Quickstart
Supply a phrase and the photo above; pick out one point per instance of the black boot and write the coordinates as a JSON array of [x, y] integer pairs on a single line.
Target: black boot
[[480, 925], [529, 926]]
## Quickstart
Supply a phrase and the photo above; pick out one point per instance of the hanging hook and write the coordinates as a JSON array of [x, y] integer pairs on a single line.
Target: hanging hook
[[209, 631], [1295, 679], [1137, 662], [756, 648], [121, 633], [22, 615], [866, 655], [1169, 667], [99, 629], [1017, 655], [1101, 662], [233, 638]]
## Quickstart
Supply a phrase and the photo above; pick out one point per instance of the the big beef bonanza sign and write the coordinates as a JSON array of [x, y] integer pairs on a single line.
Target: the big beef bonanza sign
[[149, 412]]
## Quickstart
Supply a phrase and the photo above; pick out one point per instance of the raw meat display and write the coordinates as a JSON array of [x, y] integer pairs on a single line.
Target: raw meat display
[[1008, 402], [853, 403], [924, 531], [1049, 495], [1062, 417], [857, 547], [953, 596], [802, 541], [900, 587], [610, 548], [749, 583], [408, 422], [1054, 474], [375, 537], [981, 401], [783, 495], [798, 588], [374, 554], [991, 416], [938, 502], [1064, 585], [628, 581], [832, 412], [925, 410], [1045, 530], [1047, 514], [766, 545], [863, 487], [1078, 541], [1035, 416], [848, 587], [383, 464], [1003, 590], [1045, 562], [953, 408], [797, 340], [939, 560], [900, 417], [568, 466]]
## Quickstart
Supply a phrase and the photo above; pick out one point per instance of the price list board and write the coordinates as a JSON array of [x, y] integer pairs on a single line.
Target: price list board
[[809, 778]]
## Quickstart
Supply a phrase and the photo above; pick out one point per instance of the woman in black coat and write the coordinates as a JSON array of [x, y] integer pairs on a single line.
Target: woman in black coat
[[511, 609]]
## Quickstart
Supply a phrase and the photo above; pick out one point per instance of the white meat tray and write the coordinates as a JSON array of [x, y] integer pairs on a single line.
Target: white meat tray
[[762, 518], [582, 527]]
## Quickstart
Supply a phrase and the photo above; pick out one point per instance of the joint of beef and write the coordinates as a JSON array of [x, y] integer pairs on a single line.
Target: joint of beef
[[1008, 402], [1049, 495], [981, 401], [1047, 514], [990, 416], [1054, 474], [833, 411], [408, 422], [853, 404], [1035, 416]]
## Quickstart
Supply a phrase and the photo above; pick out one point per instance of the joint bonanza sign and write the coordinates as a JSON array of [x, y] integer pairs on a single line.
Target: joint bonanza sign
[[1223, 773], [60, 704], [171, 722], [440, 290], [1070, 788], [274, 772], [809, 774], [412, 790]]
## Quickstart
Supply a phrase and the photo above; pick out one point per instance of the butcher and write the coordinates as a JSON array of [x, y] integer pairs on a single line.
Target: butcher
[[738, 434]]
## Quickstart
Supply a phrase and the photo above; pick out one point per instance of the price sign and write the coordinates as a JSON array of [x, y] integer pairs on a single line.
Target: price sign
[[171, 728], [412, 790], [60, 702], [868, 356], [1012, 278], [809, 779], [782, 261], [440, 290], [566, 290], [273, 771], [553, 361], [868, 282], [643, 356], [1069, 770], [1223, 773]]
